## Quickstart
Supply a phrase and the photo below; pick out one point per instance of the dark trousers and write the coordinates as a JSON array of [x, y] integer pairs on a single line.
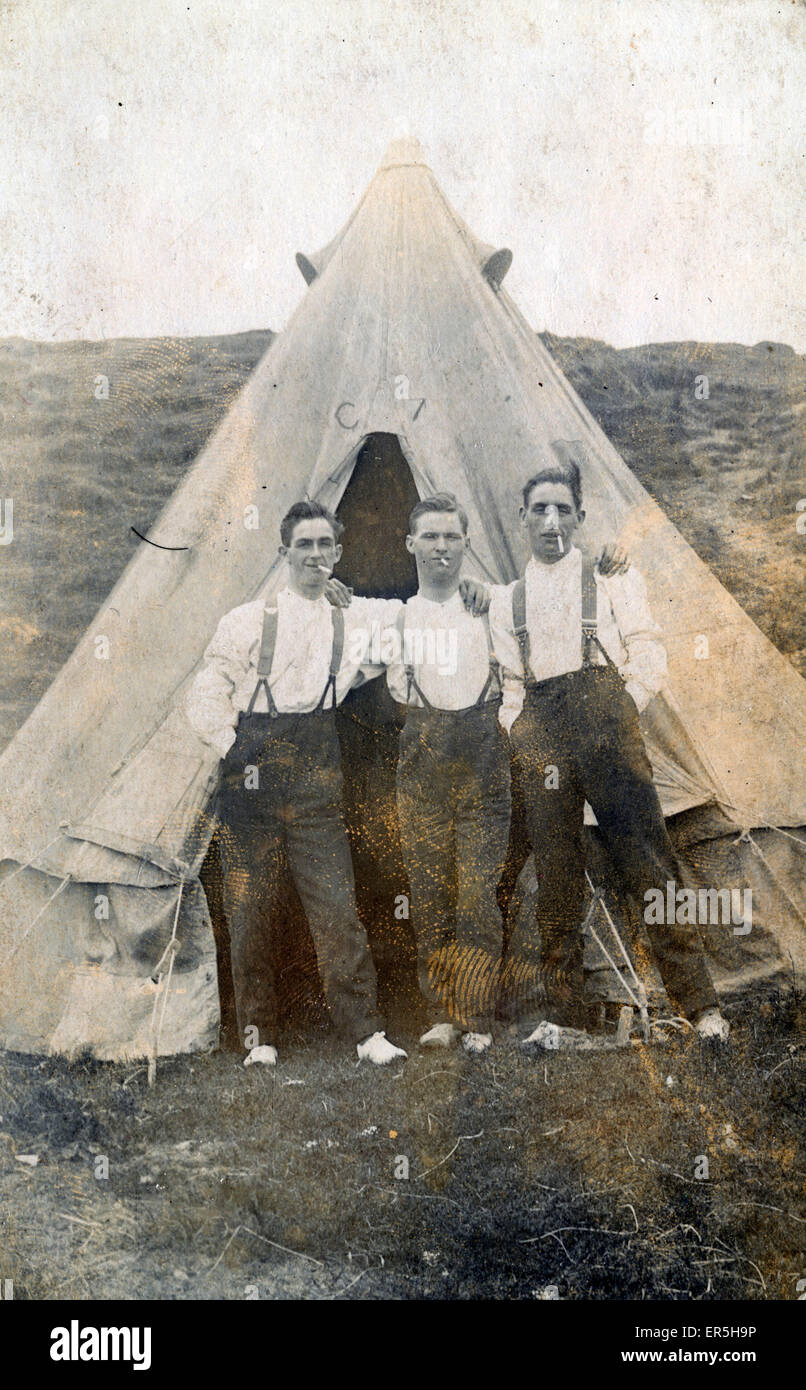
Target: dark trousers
[[293, 815], [453, 800], [585, 725]]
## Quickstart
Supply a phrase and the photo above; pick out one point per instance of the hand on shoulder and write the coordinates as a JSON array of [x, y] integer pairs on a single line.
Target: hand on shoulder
[[613, 560]]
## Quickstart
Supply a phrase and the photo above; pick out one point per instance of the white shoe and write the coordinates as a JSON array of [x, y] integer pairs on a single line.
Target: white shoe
[[264, 1053], [379, 1049], [441, 1035], [711, 1024], [477, 1042], [545, 1035], [554, 1038]]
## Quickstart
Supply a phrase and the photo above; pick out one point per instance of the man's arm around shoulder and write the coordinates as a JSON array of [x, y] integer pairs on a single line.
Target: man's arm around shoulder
[[645, 668]]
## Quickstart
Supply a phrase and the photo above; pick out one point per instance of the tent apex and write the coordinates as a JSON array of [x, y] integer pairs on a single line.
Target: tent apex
[[405, 150]]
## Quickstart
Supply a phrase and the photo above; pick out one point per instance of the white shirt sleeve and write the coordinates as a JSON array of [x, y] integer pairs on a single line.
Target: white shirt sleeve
[[644, 669], [370, 619], [507, 651], [209, 705]]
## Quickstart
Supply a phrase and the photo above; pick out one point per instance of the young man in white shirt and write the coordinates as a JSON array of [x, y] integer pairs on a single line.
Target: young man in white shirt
[[453, 788], [265, 700], [582, 656]]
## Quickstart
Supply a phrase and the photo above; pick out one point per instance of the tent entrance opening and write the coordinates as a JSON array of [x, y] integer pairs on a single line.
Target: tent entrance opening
[[375, 511]]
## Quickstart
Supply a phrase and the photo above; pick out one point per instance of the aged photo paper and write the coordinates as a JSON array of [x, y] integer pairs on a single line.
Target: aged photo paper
[[403, 676]]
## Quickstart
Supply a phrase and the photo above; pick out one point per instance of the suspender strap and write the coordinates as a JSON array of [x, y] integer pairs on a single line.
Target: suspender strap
[[519, 625], [589, 610], [267, 643], [337, 650], [408, 666], [590, 616], [336, 653], [494, 673], [264, 662]]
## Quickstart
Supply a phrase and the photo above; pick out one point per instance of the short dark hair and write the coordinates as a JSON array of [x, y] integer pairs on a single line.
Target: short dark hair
[[565, 471], [440, 502], [307, 511]]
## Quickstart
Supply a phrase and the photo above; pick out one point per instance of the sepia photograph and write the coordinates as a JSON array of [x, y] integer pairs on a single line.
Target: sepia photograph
[[403, 676]]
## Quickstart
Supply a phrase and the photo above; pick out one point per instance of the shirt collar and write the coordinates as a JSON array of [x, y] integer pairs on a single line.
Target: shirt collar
[[455, 601], [562, 569], [290, 598]]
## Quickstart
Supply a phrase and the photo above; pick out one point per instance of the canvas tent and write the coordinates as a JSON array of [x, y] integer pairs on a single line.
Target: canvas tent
[[404, 332]]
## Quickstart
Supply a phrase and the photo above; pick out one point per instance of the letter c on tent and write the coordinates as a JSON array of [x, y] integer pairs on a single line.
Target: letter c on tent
[[346, 425]]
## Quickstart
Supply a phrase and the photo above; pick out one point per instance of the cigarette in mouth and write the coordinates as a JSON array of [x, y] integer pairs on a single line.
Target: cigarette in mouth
[[560, 546], [442, 561]]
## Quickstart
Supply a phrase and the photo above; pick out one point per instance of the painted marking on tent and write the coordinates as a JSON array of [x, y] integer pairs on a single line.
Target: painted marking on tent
[[337, 412], [156, 545]]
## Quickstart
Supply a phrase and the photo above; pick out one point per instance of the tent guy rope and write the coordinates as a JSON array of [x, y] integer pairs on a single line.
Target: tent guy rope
[[162, 994]]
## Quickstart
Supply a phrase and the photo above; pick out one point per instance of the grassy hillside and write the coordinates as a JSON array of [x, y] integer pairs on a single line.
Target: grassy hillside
[[83, 468], [728, 468]]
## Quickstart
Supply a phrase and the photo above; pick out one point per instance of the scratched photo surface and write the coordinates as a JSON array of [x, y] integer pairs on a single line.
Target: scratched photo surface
[[366, 254]]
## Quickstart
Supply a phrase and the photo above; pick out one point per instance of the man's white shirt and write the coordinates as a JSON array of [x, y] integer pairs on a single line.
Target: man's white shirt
[[448, 649], [300, 667], [626, 629]]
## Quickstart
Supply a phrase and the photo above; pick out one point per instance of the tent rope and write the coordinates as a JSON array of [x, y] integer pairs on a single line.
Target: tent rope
[[787, 833], [638, 998], [39, 914], [161, 994], [746, 820], [614, 930], [622, 979]]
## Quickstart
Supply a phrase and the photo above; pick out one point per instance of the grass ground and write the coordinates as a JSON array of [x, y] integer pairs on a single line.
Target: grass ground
[[582, 1173]]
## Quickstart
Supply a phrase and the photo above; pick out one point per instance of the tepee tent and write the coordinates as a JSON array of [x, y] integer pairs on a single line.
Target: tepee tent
[[404, 331]]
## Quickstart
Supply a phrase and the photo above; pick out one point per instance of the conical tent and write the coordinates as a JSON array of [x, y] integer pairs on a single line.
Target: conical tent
[[105, 937]]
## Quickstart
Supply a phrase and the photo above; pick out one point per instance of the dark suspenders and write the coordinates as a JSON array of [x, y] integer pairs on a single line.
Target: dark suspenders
[[590, 637], [264, 661], [493, 674], [268, 642], [519, 624], [336, 651]]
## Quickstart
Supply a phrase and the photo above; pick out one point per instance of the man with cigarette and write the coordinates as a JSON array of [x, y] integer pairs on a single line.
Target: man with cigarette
[[453, 793], [265, 700], [582, 656]]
